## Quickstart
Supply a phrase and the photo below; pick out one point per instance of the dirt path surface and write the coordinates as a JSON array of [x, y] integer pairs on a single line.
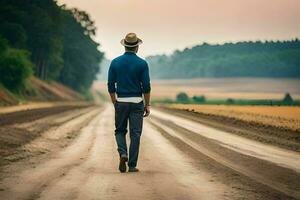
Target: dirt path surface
[[176, 163]]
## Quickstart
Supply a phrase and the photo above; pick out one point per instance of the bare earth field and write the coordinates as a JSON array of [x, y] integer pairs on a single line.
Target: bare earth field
[[222, 88], [67, 153]]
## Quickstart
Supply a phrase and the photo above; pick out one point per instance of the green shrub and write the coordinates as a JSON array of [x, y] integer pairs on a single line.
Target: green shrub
[[15, 67]]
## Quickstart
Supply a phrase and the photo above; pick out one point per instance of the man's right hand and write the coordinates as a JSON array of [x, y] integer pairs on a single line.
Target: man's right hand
[[146, 111]]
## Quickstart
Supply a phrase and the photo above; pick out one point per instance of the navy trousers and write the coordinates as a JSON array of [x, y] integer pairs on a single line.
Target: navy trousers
[[132, 113]]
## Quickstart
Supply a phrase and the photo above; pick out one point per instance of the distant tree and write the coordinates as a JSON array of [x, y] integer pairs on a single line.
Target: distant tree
[[288, 99], [182, 97]]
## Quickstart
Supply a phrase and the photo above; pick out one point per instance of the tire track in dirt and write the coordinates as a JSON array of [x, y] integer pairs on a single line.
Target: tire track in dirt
[[68, 186], [14, 138]]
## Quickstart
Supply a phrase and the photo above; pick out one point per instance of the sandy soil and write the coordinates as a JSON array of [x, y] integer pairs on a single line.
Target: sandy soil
[[175, 163]]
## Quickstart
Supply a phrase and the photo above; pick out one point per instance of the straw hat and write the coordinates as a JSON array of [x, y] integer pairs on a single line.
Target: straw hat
[[131, 40]]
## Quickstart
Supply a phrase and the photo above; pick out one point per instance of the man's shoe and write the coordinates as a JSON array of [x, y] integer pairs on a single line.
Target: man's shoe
[[122, 164], [133, 169]]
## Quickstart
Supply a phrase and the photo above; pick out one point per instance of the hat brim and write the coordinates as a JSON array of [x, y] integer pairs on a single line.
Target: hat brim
[[127, 45]]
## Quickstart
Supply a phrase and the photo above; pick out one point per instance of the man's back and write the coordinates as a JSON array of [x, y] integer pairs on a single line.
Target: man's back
[[131, 75]]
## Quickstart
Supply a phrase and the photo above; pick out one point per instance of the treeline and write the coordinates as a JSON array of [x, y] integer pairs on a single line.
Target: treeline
[[54, 42], [242, 59]]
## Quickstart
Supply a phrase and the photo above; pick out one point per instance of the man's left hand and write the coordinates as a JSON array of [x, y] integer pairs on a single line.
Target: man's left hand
[[146, 111]]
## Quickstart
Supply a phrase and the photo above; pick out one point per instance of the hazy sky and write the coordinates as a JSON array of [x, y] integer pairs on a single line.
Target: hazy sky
[[166, 25]]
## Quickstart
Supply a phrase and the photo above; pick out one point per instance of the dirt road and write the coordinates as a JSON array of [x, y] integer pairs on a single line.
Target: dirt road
[[179, 159]]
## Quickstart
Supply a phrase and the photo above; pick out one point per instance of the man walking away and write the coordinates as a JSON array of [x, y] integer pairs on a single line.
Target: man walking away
[[128, 83]]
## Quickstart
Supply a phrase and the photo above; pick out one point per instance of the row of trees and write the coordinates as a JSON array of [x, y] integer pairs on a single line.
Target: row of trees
[[253, 59], [58, 39]]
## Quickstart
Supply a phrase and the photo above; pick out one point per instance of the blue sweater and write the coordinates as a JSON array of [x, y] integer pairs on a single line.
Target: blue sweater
[[128, 76]]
